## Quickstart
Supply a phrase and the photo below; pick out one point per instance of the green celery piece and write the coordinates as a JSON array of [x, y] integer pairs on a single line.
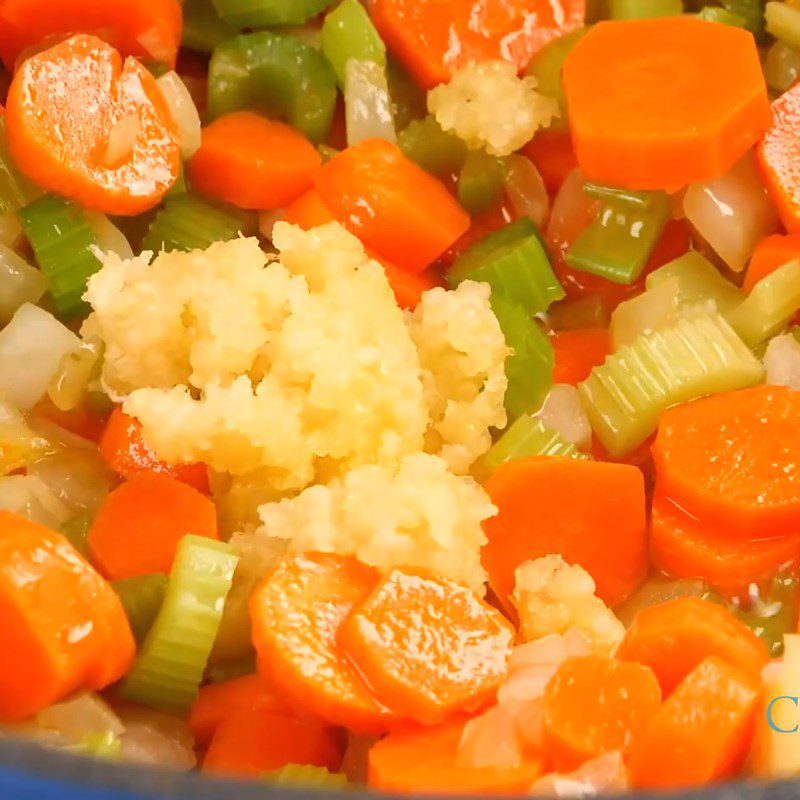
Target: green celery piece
[[772, 302], [219, 673], [348, 33], [439, 152], [141, 597], [625, 395], [513, 261], [645, 9], [722, 16], [751, 11], [783, 22], [526, 437], [179, 187], [307, 775], [188, 223], [203, 29], [275, 73], [62, 240], [409, 101], [624, 196], [76, 529], [170, 664], [268, 13], [585, 312], [16, 190], [529, 368], [618, 243], [480, 182]]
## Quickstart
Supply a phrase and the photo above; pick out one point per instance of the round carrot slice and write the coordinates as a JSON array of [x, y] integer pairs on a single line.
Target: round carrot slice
[[678, 100], [296, 615], [84, 125], [731, 461], [427, 646]]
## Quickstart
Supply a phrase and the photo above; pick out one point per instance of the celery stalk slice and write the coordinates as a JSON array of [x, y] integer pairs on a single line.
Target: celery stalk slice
[[783, 22], [348, 33], [722, 16], [645, 9], [76, 529], [267, 13], [480, 181], [439, 152], [203, 29], [141, 597]]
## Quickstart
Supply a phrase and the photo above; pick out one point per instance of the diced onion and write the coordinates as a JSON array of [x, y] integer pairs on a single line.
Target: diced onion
[[490, 740], [153, 737], [68, 387], [20, 445], [605, 773], [782, 361], [562, 411], [11, 233], [152, 40], [368, 107], [110, 239], [526, 190], [121, 141], [183, 111], [78, 477], [781, 66], [27, 496], [82, 715], [267, 220], [19, 283]]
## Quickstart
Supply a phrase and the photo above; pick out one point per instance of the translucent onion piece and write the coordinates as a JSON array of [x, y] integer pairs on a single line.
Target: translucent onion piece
[[10, 229], [605, 773], [27, 496], [156, 738], [585, 312], [732, 213], [20, 445], [78, 477], [121, 140], [69, 385], [183, 111], [19, 283], [526, 190], [781, 66], [267, 220], [82, 715], [490, 740], [783, 22], [562, 411], [368, 108], [110, 239], [153, 41], [782, 361]]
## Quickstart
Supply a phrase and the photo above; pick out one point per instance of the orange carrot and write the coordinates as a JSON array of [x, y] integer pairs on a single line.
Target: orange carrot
[[553, 155], [63, 628], [249, 743], [750, 488], [771, 253], [672, 638], [148, 29], [433, 38], [253, 162], [577, 352], [296, 613], [396, 208], [138, 527], [127, 453], [423, 762], [685, 548], [79, 421], [427, 646], [591, 512], [702, 732], [83, 124], [593, 706]]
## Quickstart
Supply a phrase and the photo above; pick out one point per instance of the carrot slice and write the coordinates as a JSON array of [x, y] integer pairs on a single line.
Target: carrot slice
[[126, 452], [249, 743], [702, 732], [771, 253], [672, 638], [731, 461], [424, 761], [63, 628], [427, 646], [253, 162], [83, 124], [682, 100], [685, 548], [593, 706], [553, 155], [391, 204], [591, 512], [434, 38], [137, 529], [296, 613], [147, 29], [577, 352]]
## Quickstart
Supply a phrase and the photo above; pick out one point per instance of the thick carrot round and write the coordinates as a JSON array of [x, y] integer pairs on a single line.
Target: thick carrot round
[[702, 732], [591, 512], [731, 460], [137, 529], [771, 253], [593, 706], [423, 762], [683, 547], [63, 628], [427, 646], [297, 612], [85, 125], [672, 638], [394, 206], [679, 100], [577, 352], [253, 162]]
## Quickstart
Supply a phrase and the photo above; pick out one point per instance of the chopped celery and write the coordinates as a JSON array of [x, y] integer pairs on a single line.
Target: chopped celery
[[62, 240], [141, 598], [618, 243], [268, 13], [307, 775], [722, 16], [625, 396], [480, 182], [439, 152], [585, 312], [409, 101], [625, 196], [171, 662], [76, 529], [348, 33], [751, 11], [203, 29], [180, 186], [529, 368], [219, 673], [783, 22], [654, 309], [15, 189], [277, 73], [645, 9], [188, 223], [514, 263], [770, 305]]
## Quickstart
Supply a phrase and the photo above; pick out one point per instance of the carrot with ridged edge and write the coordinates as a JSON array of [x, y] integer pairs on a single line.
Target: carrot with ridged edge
[[702, 732], [771, 253], [137, 529], [85, 125], [64, 628], [682, 100], [427, 646], [672, 638], [591, 512], [297, 612], [595, 705], [577, 352]]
